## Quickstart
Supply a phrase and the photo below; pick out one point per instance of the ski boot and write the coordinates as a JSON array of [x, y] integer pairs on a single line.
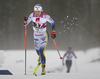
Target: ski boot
[[39, 63], [43, 73], [43, 70]]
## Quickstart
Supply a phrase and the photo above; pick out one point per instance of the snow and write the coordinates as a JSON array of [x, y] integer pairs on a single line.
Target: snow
[[69, 25], [1, 57], [84, 67]]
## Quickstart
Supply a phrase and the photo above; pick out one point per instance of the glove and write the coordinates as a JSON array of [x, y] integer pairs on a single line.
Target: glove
[[53, 35], [25, 20]]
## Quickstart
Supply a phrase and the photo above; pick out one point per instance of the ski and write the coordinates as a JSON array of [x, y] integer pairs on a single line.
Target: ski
[[38, 75], [36, 69]]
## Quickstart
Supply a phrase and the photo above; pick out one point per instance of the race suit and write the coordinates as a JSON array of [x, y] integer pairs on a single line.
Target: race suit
[[40, 32], [69, 56]]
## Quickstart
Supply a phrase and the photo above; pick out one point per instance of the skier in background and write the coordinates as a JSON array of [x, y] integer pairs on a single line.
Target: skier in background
[[39, 22], [69, 54]]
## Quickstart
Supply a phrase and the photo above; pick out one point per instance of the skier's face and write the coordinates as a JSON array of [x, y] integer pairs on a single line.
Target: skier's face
[[38, 13], [69, 51]]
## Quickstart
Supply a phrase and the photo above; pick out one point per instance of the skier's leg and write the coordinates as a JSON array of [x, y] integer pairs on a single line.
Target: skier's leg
[[39, 63], [67, 65], [42, 49], [70, 64], [43, 59], [40, 46], [36, 43]]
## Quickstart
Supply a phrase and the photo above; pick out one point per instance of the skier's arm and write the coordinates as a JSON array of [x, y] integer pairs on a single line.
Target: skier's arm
[[28, 20], [25, 20], [50, 20], [74, 55]]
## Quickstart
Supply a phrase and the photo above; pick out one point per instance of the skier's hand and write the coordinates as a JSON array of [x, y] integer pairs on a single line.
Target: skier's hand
[[53, 35], [25, 19]]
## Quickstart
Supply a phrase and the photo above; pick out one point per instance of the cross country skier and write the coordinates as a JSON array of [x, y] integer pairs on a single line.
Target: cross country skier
[[39, 22], [69, 54]]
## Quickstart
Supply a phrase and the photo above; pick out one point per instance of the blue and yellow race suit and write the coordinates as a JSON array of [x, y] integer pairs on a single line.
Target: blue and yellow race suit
[[40, 32]]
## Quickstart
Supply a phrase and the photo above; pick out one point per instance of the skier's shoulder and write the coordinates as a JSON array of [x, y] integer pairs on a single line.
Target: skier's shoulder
[[66, 52], [31, 14], [73, 52], [44, 14]]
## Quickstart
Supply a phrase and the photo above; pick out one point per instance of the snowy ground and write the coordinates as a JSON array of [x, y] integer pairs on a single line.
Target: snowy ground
[[86, 66]]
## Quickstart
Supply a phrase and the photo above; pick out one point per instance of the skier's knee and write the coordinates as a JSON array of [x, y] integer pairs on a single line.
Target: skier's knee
[[43, 66]]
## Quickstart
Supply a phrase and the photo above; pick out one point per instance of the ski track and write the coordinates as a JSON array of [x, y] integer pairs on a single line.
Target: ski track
[[84, 69]]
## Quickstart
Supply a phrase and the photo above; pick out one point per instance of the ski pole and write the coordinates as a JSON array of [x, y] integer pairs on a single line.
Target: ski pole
[[25, 44], [57, 49]]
